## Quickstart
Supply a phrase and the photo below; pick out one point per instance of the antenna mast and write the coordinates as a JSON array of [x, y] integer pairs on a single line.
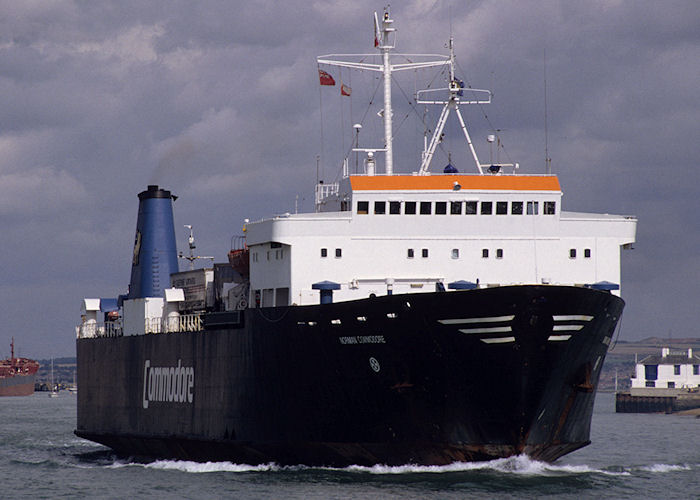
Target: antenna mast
[[192, 257], [384, 42], [386, 45], [456, 90], [547, 159]]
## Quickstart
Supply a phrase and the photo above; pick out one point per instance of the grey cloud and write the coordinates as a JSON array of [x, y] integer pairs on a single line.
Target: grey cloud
[[219, 102]]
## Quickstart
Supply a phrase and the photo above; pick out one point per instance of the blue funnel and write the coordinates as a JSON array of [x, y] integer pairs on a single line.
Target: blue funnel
[[155, 252]]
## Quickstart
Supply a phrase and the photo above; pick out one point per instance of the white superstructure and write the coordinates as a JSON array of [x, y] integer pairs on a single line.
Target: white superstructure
[[404, 233]]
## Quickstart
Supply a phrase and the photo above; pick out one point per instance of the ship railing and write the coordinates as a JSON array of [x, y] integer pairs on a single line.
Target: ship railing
[[174, 324], [106, 329], [324, 191]]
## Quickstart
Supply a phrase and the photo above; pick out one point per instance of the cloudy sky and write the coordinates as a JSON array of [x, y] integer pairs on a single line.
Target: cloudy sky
[[219, 102]]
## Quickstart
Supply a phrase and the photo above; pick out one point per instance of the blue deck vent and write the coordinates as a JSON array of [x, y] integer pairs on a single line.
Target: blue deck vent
[[462, 285], [155, 252], [603, 285], [450, 169], [326, 288]]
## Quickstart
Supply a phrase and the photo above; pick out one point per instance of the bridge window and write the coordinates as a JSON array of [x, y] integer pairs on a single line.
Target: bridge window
[[394, 207], [550, 207], [696, 369], [380, 207], [456, 208], [425, 207], [533, 207], [440, 207], [501, 207], [516, 208], [363, 207], [676, 369], [486, 207], [409, 208], [470, 207]]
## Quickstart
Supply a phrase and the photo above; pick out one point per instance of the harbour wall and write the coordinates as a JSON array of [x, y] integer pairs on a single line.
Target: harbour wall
[[627, 403]]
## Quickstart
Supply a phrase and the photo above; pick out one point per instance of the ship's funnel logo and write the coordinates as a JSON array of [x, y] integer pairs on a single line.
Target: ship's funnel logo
[[137, 249], [168, 384]]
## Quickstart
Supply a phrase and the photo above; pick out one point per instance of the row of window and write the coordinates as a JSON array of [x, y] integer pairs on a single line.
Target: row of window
[[270, 297], [457, 207], [651, 372], [411, 253], [276, 254], [677, 369], [669, 385], [338, 252], [586, 253], [454, 254], [279, 254]]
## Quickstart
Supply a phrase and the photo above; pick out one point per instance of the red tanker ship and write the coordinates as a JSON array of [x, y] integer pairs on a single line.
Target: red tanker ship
[[17, 375]]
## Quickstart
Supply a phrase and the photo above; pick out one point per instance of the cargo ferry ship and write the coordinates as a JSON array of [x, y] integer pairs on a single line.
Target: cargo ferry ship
[[17, 374], [413, 317]]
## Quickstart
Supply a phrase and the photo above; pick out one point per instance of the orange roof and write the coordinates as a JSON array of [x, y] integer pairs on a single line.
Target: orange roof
[[446, 182]]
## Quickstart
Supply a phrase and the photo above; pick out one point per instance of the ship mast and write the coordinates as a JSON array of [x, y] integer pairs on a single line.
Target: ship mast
[[386, 45], [456, 90], [384, 42]]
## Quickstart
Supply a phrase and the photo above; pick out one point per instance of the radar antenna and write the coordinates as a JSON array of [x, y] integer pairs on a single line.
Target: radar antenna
[[192, 257], [456, 91]]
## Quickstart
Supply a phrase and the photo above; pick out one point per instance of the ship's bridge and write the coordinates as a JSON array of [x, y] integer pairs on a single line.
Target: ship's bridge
[[410, 194]]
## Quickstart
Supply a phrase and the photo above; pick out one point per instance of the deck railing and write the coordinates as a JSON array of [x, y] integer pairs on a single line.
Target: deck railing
[[106, 329], [182, 323], [324, 191]]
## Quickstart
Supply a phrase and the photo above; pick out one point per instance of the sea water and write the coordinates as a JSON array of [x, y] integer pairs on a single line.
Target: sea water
[[632, 456]]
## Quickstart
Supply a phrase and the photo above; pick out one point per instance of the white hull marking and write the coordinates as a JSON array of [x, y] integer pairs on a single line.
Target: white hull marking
[[465, 321]]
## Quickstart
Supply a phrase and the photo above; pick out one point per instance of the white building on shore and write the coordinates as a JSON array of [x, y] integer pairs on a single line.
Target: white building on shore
[[673, 371]]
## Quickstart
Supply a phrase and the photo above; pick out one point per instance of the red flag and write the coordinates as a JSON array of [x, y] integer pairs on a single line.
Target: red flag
[[325, 78], [344, 89], [376, 31]]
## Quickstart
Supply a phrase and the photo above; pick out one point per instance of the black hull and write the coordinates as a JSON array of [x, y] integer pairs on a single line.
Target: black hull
[[313, 385]]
